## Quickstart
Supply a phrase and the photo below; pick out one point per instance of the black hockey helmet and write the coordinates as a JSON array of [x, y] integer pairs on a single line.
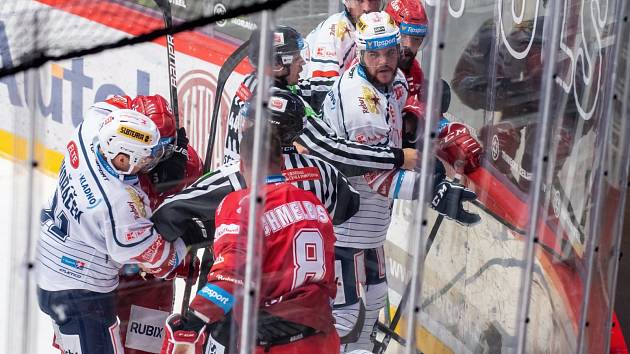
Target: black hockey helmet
[[285, 113], [286, 43]]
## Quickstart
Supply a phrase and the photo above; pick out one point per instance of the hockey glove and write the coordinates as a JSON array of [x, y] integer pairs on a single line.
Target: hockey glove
[[448, 198], [184, 335], [199, 233], [456, 143], [172, 171], [183, 268], [412, 115]]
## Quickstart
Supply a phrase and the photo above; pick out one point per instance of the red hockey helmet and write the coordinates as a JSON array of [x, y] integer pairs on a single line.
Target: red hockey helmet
[[410, 17], [157, 108]]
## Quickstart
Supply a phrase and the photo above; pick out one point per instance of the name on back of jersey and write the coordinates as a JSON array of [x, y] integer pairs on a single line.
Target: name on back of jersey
[[290, 213]]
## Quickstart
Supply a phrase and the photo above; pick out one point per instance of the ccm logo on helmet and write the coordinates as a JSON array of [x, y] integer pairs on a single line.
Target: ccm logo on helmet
[[135, 134]]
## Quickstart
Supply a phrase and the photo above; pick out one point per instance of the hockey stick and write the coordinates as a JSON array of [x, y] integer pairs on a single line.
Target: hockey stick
[[379, 348], [224, 74], [165, 6]]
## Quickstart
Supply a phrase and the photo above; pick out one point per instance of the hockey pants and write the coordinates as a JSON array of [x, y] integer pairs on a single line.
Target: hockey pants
[[85, 322], [358, 271]]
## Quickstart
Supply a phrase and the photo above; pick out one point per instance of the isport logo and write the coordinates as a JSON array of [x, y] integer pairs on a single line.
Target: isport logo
[[217, 296], [375, 44]]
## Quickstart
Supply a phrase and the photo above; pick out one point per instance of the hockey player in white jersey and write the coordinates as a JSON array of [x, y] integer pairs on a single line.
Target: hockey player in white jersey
[[317, 137], [332, 47], [365, 105], [96, 221]]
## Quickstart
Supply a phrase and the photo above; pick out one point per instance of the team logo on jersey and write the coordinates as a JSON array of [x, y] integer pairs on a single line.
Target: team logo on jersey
[[73, 153], [342, 29], [278, 104], [135, 134], [136, 204], [369, 100]]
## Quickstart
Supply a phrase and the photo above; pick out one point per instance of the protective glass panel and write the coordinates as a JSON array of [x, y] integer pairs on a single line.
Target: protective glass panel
[[612, 34]]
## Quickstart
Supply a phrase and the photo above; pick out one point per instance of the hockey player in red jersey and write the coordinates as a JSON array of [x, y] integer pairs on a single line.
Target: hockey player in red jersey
[[297, 289], [141, 316], [412, 21]]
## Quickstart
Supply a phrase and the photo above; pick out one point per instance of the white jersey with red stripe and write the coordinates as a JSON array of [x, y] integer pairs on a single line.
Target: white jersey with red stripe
[[96, 221], [360, 112], [333, 50]]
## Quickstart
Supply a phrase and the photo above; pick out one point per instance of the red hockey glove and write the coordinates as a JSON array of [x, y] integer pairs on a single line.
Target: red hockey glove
[[184, 335], [456, 143], [122, 102], [182, 270], [411, 115]]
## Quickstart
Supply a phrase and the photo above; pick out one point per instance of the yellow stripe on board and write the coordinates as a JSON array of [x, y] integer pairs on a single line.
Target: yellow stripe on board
[[16, 148], [426, 342]]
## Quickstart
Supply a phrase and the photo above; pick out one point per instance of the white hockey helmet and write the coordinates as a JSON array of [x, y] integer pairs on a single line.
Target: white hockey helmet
[[376, 30], [128, 132]]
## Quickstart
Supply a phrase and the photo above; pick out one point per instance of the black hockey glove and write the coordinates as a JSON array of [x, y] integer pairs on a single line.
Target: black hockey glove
[[199, 233], [448, 198], [170, 172]]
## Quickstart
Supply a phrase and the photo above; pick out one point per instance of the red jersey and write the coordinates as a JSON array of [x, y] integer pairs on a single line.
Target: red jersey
[[414, 77], [298, 270]]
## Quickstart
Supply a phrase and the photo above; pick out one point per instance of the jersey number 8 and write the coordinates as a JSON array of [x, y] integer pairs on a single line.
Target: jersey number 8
[[308, 257]]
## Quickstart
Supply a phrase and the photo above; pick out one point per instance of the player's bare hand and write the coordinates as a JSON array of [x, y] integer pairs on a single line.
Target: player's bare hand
[[412, 156]]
